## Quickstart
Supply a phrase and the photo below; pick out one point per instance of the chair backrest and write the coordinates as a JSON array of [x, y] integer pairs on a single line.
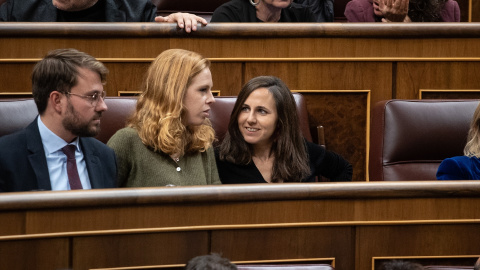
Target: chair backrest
[[16, 114], [285, 267], [410, 138]]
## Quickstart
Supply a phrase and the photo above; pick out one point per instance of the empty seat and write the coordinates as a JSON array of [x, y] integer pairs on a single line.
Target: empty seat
[[410, 138]]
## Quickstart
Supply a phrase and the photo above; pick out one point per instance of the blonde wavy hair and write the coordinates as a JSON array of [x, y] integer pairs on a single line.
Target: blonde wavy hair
[[472, 148], [160, 115]]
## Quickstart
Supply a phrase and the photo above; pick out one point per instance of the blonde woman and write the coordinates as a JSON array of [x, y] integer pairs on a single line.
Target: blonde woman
[[168, 140], [465, 167]]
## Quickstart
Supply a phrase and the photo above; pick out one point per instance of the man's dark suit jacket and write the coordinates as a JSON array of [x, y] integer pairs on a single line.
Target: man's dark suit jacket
[[23, 165], [45, 11]]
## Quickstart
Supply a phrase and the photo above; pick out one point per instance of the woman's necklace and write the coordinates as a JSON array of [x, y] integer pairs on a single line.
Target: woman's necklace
[[175, 157]]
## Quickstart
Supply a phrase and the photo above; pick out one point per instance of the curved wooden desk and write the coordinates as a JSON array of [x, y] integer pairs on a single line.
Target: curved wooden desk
[[348, 225]]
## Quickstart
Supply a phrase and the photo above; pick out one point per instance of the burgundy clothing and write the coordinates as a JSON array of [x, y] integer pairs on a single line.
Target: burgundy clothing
[[362, 11]]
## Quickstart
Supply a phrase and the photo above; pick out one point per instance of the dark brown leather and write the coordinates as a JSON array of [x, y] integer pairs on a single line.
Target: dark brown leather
[[115, 118], [285, 267], [409, 138], [16, 114]]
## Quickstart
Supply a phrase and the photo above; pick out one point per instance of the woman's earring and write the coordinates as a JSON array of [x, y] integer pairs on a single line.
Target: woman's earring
[[253, 2]]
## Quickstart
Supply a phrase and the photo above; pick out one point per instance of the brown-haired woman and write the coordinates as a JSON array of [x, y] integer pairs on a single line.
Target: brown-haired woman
[[264, 143]]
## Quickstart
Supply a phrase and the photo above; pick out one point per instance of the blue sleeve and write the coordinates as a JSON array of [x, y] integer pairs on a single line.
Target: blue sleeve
[[451, 169]]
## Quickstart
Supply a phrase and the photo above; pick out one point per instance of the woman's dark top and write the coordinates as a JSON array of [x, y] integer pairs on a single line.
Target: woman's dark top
[[96, 13], [322, 163], [243, 11]]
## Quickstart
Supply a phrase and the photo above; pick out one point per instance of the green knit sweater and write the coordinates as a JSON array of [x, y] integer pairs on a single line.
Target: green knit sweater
[[139, 166]]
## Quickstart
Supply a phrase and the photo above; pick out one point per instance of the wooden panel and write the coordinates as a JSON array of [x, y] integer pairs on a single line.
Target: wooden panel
[[156, 217], [450, 94], [294, 243], [16, 77], [232, 47], [125, 76], [426, 240], [330, 47], [344, 118], [35, 254], [12, 223], [475, 10], [313, 75], [413, 76], [423, 209], [138, 249], [227, 77], [464, 9]]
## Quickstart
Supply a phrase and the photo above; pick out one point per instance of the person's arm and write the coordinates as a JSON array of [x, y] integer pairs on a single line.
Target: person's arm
[[336, 168], [355, 12], [329, 164], [185, 21], [451, 12], [122, 151], [450, 169]]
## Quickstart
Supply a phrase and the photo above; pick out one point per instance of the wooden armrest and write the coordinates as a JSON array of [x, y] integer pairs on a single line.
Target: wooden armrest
[[321, 136]]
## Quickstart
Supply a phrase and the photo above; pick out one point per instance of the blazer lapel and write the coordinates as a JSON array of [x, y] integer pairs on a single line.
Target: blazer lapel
[[94, 166], [36, 156], [113, 13]]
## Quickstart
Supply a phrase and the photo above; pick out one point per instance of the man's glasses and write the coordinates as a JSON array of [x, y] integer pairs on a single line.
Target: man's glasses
[[92, 98]]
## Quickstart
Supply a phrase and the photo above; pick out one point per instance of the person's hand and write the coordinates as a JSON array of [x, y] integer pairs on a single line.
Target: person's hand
[[394, 10], [185, 21]]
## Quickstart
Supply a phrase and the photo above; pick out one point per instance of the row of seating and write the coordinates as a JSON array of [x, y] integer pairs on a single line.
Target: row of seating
[[408, 138]]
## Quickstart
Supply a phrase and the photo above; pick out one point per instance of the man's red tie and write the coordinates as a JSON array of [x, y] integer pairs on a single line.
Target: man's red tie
[[72, 171]]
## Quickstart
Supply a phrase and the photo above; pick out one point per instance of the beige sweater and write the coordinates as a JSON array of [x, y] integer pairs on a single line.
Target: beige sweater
[[139, 166]]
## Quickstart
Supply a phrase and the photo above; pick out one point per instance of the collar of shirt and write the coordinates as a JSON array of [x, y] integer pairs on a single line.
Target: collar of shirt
[[51, 142]]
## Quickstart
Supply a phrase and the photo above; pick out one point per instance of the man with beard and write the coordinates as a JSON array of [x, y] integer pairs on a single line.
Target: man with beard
[[93, 11], [67, 87]]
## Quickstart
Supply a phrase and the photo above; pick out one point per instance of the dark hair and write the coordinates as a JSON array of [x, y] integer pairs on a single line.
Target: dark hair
[[289, 150], [401, 265], [425, 10], [210, 262], [58, 71]]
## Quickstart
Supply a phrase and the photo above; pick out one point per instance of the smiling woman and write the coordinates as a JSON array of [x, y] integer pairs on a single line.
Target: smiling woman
[[264, 143], [168, 139]]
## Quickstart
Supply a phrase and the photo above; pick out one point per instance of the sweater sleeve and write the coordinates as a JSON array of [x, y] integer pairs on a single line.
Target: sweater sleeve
[[450, 169], [214, 179], [119, 143]]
